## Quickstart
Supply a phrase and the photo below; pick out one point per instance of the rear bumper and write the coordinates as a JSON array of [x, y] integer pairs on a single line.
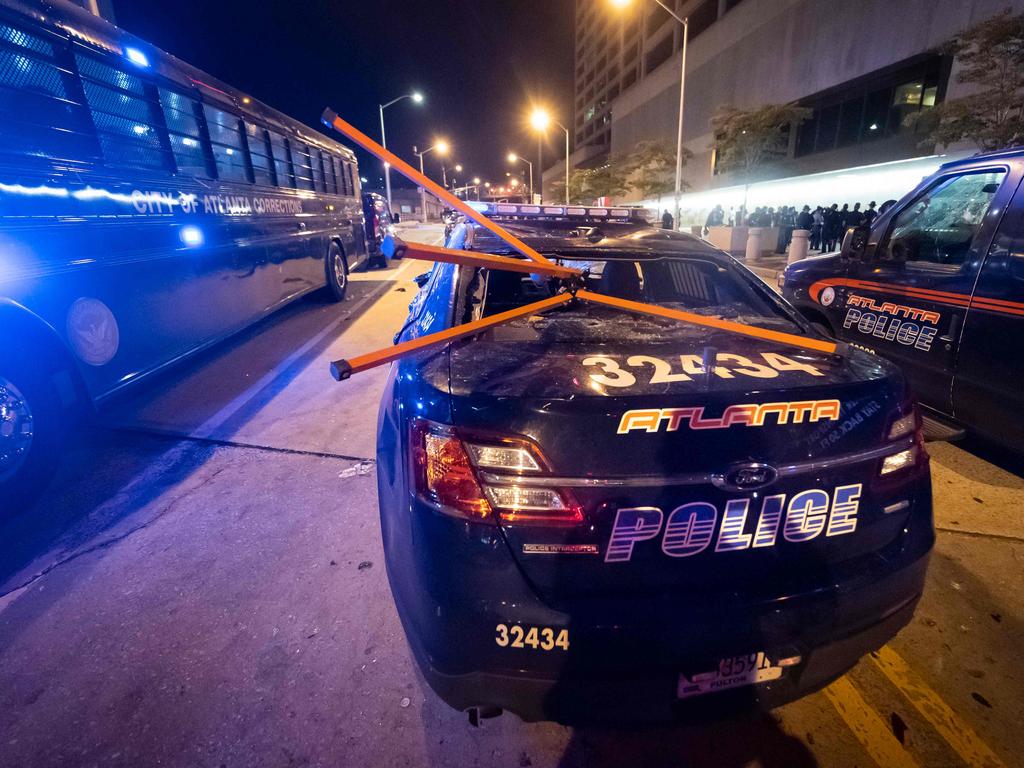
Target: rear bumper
[[629, 673], [652, 698]]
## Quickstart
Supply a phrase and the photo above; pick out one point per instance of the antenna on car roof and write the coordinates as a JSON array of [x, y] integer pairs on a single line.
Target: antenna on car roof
[[534, 263]]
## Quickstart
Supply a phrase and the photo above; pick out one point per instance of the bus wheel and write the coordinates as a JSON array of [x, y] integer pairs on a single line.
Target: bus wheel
[[337, 273], [31, 433]]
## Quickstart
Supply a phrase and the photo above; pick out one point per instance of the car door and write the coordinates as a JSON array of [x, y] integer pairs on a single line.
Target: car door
[[987, 391], [908, 299]]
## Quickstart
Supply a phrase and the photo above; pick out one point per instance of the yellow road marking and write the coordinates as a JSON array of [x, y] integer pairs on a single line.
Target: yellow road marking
[[955, 731], [869, 729]]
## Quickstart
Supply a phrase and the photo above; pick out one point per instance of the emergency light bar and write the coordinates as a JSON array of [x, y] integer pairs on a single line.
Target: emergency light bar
[[567, 212]]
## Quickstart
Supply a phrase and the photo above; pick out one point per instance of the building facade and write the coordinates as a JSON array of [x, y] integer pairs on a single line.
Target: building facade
[[860, 66]]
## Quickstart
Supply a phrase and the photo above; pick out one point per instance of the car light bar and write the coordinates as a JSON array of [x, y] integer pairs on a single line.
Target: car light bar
[[572, 212]]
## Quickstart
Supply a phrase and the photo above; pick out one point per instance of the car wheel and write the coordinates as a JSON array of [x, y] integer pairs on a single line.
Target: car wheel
[[399, 254], [32, 430], [337, 273]]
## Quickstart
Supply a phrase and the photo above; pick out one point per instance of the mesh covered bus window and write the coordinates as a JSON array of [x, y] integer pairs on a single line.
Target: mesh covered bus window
[[259, 152], [226, 142], [124, 116], [282, 161], [183, 130], [39, 114]]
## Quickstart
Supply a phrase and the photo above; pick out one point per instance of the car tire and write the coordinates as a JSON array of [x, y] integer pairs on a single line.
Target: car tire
[[337, 273], [33, 428], [399, 254]]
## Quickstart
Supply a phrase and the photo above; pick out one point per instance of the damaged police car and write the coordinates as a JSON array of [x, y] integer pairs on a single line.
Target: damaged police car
[[591, 515]]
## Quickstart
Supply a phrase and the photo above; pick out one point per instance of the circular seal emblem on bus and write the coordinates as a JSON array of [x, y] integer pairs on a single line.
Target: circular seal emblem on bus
[[92, 331], [828, 295]]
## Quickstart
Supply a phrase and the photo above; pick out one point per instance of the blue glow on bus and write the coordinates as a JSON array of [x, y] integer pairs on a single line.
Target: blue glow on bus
[[137, 57], [191, 236]]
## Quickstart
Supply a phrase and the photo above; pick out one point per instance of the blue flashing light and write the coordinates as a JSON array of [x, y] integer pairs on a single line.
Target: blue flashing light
[[477, 205], [136, 57], [191, 236]]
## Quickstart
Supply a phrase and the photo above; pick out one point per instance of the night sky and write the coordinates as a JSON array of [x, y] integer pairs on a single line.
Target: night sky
[[480, 65]]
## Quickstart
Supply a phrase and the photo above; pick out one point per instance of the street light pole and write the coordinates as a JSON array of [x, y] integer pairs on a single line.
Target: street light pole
[[417, 98], [540, 166], [566, 160], [442, 148], [513, 157]]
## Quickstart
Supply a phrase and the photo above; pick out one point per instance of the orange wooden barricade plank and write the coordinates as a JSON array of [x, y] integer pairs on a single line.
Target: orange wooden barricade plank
[[360, 138], [434, 253], [342, 369], [711, 322]]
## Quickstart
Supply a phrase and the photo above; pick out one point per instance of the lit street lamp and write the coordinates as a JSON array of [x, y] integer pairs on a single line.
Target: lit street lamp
[[514, 158], [685, 21], [417, 98], [540, 120], [442, 149]]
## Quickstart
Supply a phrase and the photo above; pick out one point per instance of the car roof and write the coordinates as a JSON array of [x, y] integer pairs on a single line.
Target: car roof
[[631, 241], [981, 158]]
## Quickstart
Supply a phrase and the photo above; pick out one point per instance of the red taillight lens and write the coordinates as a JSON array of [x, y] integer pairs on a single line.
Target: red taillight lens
[[444, 474], [447, 474]]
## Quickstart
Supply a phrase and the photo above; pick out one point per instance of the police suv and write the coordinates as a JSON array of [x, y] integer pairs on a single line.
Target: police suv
[[594, 515], [936, 284]]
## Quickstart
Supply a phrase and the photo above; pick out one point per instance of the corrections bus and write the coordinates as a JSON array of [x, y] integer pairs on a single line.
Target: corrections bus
[[147, 211]]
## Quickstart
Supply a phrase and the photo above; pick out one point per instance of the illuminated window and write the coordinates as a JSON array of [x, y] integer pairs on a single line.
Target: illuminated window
[[226, 141], [124, 112], [260, 154], [180, 115], [282, 161]]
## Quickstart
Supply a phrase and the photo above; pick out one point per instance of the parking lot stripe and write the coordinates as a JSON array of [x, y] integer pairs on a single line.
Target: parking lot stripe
[[868, 728], [955, 731]]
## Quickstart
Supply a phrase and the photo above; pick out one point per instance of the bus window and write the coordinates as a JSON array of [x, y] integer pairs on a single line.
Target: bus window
[[226, 141], [183, 131], [282, 162], [302, 165], [332, 179], [38, 115], [259, 151], [318, 168], [352, 184], [124, 116], [340, 173]]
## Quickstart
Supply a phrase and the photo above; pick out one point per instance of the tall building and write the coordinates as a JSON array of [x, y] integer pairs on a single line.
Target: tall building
[[861, 67]]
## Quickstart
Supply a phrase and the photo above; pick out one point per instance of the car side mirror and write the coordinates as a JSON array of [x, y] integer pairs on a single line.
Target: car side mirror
[[855, 243], [395, 217], [421, 280]]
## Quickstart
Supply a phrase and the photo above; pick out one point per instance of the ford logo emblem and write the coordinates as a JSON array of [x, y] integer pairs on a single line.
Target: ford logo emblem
[[746, 477]]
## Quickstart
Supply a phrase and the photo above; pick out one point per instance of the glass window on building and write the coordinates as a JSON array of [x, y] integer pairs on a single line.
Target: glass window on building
[[876, 114]]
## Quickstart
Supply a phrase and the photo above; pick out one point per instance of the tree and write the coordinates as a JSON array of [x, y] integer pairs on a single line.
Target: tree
[[588, 184], [747, 139], [651, 167], [991, 55]]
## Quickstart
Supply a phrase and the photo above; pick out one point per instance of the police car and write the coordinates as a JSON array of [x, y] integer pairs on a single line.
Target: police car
[[936, 284], [590, 515]]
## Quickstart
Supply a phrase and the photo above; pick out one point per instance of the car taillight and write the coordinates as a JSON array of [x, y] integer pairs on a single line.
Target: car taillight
[[444, 474], [901, 428], [476, 477]]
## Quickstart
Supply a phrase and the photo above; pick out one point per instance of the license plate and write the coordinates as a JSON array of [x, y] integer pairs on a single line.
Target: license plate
[[732, 672]]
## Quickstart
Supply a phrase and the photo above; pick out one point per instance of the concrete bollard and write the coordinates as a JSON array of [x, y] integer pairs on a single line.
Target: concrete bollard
[[799, 246], [753, 251]]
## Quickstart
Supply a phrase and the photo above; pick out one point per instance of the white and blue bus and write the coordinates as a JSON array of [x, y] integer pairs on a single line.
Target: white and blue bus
[[147, 211]]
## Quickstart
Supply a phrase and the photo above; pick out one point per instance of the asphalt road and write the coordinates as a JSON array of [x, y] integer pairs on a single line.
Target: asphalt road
[[203, 585]]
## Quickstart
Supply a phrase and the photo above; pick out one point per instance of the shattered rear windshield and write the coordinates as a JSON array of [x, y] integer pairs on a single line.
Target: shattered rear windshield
[[693, 285]]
